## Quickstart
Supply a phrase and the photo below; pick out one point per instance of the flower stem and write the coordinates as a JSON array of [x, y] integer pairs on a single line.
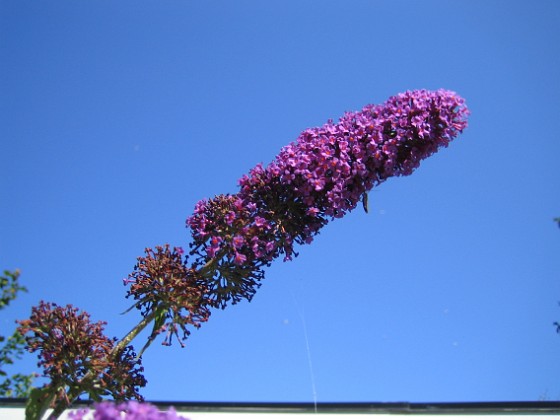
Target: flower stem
[[126, 340]]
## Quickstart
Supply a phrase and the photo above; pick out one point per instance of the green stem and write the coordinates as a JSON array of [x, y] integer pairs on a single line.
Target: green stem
[[210, 265], [127, 339]]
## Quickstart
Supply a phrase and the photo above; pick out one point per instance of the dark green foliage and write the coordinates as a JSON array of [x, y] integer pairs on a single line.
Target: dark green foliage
[[17, 385]]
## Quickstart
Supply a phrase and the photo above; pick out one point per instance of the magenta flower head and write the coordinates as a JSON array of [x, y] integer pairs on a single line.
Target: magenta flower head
[[232, 246], [73, 350], [319, 177]]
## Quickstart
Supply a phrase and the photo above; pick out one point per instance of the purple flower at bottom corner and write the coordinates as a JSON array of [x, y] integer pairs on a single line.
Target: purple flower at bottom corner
[[131, 410], [78, 414]]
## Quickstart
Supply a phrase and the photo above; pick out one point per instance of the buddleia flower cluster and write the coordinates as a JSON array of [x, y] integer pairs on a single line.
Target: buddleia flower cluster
[[163, 284], [232, 246], [73, 350], [319, 177]]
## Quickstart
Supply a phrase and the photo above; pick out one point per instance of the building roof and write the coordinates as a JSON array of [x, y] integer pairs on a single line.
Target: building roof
[[14, 408]]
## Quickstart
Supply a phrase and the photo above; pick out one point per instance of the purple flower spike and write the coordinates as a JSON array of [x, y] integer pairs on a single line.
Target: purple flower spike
[[319, 177]]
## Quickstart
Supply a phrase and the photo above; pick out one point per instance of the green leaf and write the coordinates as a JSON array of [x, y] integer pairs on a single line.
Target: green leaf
[[365, 202], [38, 403], [9, 287], [159, 322]]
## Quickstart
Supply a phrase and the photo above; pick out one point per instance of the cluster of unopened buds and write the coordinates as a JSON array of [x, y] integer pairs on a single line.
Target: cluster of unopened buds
[[319, 177]]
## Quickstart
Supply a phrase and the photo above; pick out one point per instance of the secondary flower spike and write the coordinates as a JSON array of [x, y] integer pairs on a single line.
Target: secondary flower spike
[[317, 178]]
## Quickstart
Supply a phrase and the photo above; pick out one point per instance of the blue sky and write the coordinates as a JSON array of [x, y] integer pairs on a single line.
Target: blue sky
[[117, 117]]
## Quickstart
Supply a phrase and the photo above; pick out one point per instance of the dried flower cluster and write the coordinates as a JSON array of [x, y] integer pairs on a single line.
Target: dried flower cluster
[[161, 282], [73, 350], [319, 177]]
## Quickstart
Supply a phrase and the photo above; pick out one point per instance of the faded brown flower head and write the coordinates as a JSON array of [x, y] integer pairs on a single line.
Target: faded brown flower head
[[73, 350], [162, 283]]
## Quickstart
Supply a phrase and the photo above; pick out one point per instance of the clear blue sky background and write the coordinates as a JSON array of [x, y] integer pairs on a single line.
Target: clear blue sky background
[[118, 116]]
